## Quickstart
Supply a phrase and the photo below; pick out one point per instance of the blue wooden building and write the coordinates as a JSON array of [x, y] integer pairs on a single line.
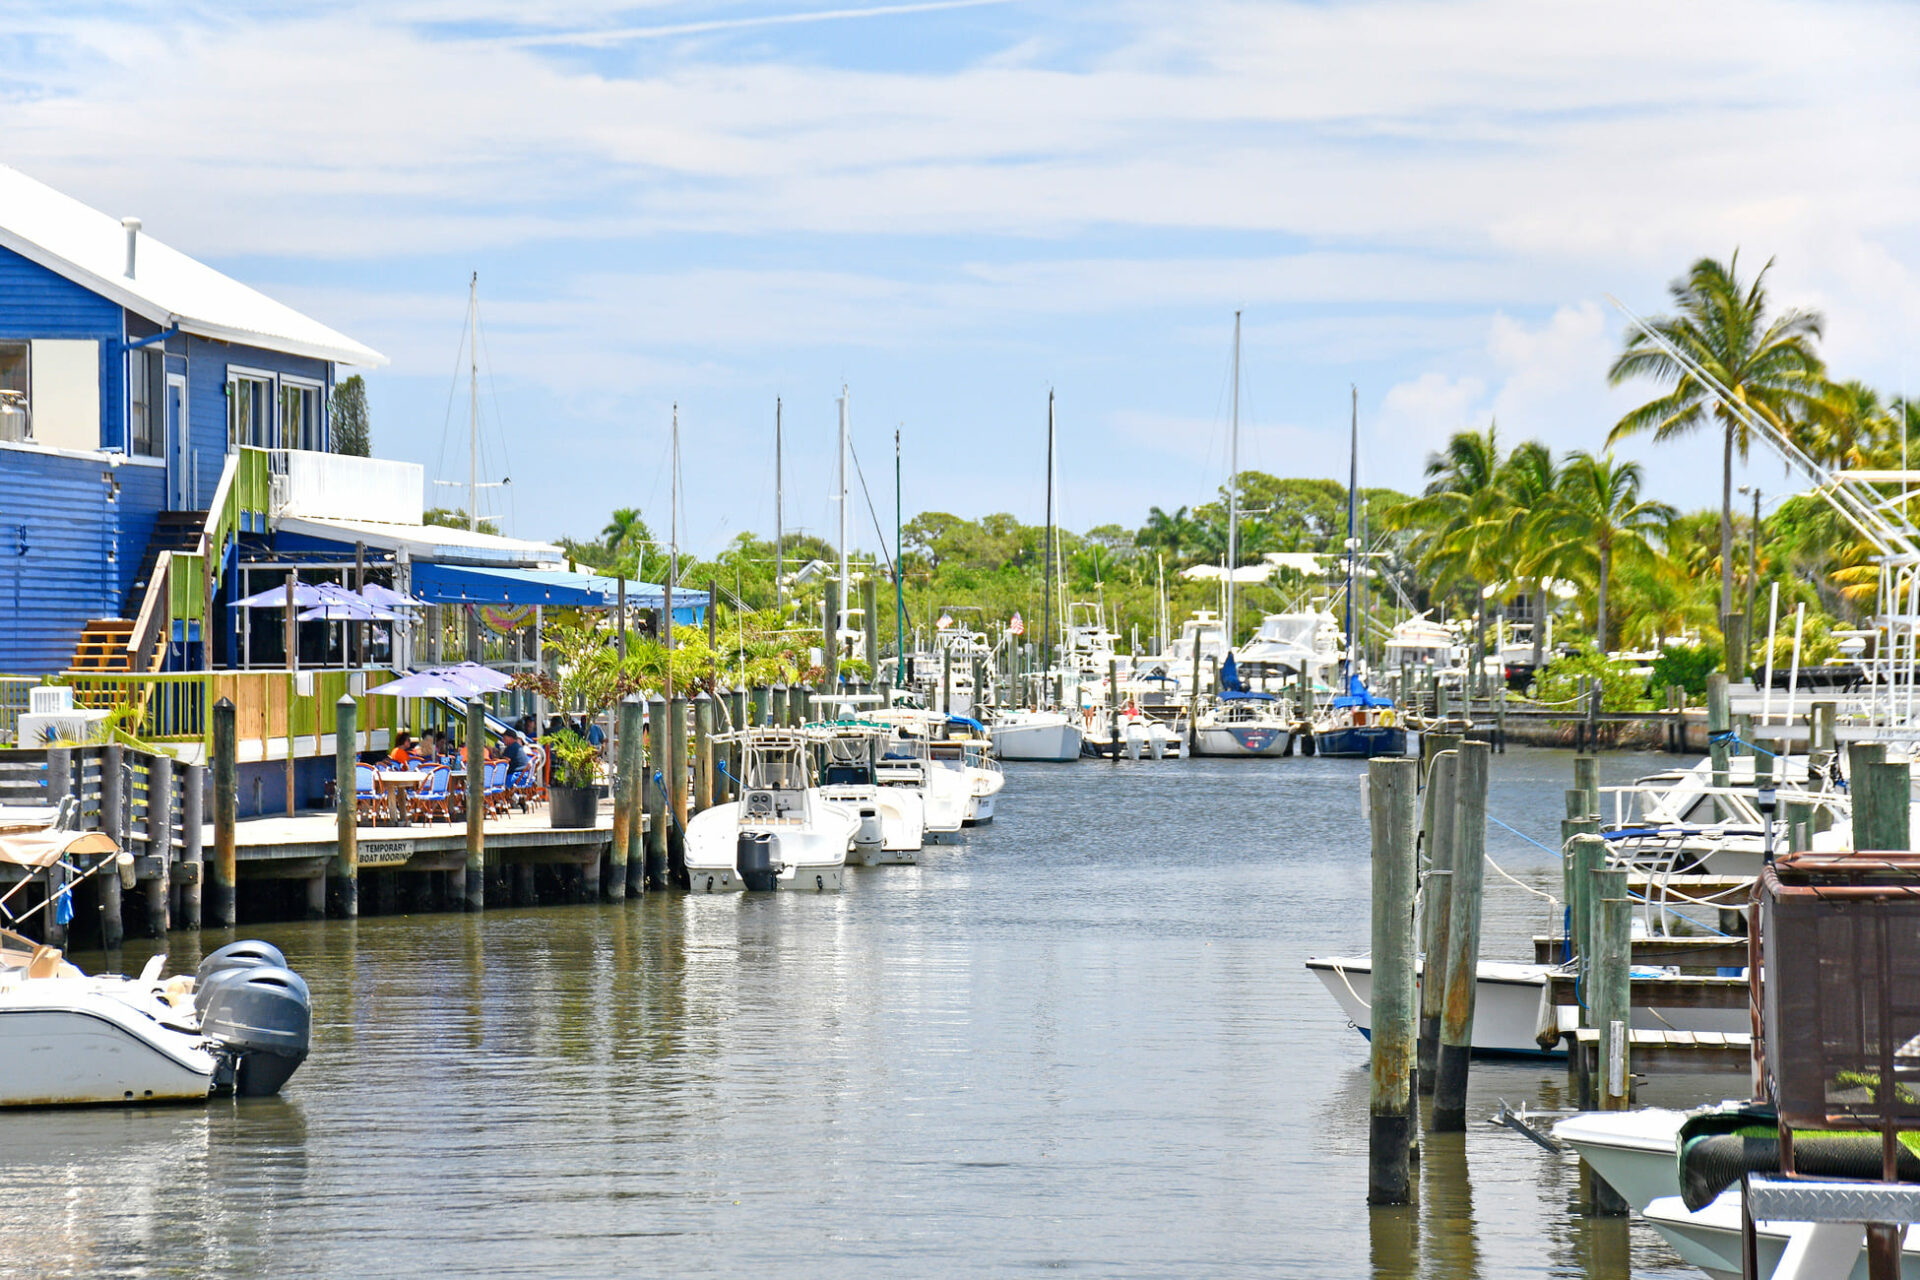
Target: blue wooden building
[[130, 378]]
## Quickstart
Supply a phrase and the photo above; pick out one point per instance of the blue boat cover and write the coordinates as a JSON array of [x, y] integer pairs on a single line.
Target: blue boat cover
[[1230, 680], [1243, 695], [967, 722], [1357, 695], [472, 584]]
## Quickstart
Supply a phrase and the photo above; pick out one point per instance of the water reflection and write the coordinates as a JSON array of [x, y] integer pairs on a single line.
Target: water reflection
[[1084, 1039]]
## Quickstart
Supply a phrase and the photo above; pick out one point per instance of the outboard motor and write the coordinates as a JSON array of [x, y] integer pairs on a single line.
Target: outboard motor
[[233, 958], [870, 839], [262, 1018], [756, 858]]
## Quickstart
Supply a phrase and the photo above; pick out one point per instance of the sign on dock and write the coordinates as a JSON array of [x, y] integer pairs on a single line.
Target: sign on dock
[[385, 853]]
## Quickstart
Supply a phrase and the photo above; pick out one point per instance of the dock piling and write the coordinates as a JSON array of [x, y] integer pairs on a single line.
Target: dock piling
[[345, 872], [1438, 838], [677, 799], [655, 868], [1463, 939], [113, 821], [226, 798], [704, 774], [1883, 786], [625, 776], [1392, 791], [474, 894], [193, 806], [1719, 727], [160, 825]]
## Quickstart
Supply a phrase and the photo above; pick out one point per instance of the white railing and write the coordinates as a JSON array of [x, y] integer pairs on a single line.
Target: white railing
[[333, 486]]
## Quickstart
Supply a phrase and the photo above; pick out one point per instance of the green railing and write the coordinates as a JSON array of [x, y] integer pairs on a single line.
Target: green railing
[[268, 705]]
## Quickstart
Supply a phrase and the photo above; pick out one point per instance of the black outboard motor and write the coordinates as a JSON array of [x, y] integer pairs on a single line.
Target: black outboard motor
[[756, 858], [235, 956], [262, 1017]]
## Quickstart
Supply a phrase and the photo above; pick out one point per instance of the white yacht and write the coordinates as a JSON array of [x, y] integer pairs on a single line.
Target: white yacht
[[945, 795], [1430, 648], [982, 775], [781, 833], [1036, 735], [1244, 724], [1309, 640]]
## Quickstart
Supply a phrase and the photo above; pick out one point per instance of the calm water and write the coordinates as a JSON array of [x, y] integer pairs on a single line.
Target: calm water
[[1083, 1041]]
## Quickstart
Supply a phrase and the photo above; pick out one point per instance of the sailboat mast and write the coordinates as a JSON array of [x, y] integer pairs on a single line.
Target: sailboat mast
[[473, 403], [836, 623], [1233, 483], [1353, 545], [673, 540], [779, 515], [1046, 603], [899, 588]]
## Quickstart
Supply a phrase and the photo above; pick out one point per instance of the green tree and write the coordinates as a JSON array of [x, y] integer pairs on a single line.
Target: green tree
[[352, 429], [1460, 523], [1600, 517], [627, 539], [1530, 482], [456, 518], [1768, 365]]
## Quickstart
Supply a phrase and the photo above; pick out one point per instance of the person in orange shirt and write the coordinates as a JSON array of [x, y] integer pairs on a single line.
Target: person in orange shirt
[[402, 753]]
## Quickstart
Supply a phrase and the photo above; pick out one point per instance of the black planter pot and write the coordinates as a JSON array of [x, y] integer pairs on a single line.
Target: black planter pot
[[574, 806]]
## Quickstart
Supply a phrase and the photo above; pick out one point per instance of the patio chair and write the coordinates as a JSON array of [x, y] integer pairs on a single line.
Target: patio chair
[[529, 784], [369, 805], [433, 796], [496, 795]]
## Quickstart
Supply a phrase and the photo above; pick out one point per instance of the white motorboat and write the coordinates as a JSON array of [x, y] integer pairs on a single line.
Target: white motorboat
[[781, 833], [241, 1025], [1632, 1150], [892, 820], [1429, 648], [982, 774], [1244, 724], [1510, 1006], [1291, 642], [1048, 736]]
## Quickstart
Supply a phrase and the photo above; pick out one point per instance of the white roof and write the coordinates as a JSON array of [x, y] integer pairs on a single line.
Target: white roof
[[434, 542], [90, 248]]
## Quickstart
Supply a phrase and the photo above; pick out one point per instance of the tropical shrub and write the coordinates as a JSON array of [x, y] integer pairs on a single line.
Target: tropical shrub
[[1687, 665], [1565, 678]]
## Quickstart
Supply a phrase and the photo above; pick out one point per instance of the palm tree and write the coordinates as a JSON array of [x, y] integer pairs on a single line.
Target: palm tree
[[1848, 426], [1456, 520], [1600, 518], [1722, 326], [1175, 534], [626, 535]]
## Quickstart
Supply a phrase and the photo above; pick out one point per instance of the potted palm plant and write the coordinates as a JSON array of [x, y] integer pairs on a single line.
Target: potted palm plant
[[575, 787], [585, 676]]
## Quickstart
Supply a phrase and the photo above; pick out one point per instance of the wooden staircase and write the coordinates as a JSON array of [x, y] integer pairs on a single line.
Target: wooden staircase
[[172, 531], [103, 646]]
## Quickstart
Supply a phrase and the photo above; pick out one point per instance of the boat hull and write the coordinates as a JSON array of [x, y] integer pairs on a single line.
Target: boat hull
[[979, 811], [814, 856], [1051, 743], [1361, 742], [1258, 740], [87, 1051], [1507, 1012]]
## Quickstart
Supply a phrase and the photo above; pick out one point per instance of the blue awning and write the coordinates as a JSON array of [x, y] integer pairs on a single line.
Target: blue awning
[[1358, 695], [469, 584]]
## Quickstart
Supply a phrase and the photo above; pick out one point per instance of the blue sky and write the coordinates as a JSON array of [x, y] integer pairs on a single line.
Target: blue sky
[[953, 209]]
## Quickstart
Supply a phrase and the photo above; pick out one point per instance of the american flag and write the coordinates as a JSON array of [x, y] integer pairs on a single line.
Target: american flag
[[1017, 627], [945, 622]]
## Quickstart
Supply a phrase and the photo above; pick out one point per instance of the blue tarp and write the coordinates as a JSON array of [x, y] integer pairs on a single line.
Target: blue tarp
[[471, 584], [1230, 680], [1243, 695], [1357, 695], [967, 722]]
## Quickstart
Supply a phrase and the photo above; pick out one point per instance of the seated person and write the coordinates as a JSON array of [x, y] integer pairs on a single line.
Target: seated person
[[403, 753], [427, 750], [514, 751]]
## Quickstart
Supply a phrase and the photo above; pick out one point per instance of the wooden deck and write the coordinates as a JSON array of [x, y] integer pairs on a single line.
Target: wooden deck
[[281, 846], [1678, 1051]]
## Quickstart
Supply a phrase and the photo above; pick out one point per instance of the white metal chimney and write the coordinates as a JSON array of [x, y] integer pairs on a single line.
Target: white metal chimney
[[133, 239]]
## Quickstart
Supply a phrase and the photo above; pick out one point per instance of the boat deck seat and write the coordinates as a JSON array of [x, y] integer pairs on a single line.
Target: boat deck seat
[[45, 962]]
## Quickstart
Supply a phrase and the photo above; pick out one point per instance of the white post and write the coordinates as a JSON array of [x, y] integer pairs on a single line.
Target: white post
[[1773, 626], [1793, 680]]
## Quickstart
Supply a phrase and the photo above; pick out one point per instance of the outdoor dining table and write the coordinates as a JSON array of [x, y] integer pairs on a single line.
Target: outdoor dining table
[[395, 785]]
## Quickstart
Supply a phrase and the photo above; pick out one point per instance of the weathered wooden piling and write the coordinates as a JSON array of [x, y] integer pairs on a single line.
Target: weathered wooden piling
[[946, 682], [1611, 997], [1719, 727], [1113, 708], [1393, 786], [702, 753], [113, 815], [1588, 855], [1586, 778], [160, 844], [870, 624], [657, 808], [830, 635], [474, 889], [1885, 786], [1438, 839], [1463, 938], [677, 797], [343, 888], [762, 705], [226, 799], [193, 805], [626, 769]]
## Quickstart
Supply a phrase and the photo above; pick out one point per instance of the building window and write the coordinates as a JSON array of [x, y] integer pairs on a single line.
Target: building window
[[250, 416], [300, 416], [146, 393], [14, 423]]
